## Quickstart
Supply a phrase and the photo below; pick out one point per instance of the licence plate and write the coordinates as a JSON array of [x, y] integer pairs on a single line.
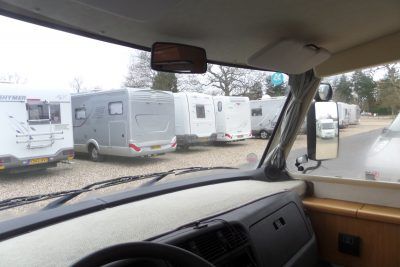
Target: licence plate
[[155, 147], [239, 136], [38, 161]]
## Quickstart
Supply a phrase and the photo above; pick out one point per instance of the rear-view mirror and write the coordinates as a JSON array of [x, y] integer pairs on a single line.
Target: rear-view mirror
[[178, 58], [323, 131]]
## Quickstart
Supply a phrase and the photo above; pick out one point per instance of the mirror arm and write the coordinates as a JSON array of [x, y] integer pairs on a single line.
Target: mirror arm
[[319, 163]]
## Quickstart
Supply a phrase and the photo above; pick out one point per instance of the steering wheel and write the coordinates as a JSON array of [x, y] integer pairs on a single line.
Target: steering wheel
[[135, 250]]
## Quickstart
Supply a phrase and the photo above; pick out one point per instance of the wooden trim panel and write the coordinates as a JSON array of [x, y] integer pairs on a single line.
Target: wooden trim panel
[[378, 228], [332, 206], [353, 209]]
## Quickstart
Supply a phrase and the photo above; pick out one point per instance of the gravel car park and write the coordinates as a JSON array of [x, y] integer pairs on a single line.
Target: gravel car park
[[82, 171]]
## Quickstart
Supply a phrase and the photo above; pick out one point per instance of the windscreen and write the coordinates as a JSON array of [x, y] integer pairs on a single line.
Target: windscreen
[[122, 120]]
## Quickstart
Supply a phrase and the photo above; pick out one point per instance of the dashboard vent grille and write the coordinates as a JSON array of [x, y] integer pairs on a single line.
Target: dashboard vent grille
[[216, 244]]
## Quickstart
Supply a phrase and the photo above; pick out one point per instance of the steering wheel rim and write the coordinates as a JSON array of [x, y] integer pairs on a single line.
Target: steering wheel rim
[[145, 249]]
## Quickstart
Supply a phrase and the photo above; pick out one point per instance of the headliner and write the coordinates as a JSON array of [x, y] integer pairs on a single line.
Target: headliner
[[358, 33]]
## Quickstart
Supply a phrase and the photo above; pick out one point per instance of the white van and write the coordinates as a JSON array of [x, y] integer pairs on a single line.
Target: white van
[[194, 118], [326, 129], [126, 122], [37, 128], [264, 115], [232, 118]]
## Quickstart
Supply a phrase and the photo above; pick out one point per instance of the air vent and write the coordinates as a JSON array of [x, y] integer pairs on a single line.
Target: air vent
[[215, 244]]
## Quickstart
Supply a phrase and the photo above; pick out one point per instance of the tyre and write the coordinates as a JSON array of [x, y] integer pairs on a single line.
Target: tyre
[[94, 154], [264, 134]]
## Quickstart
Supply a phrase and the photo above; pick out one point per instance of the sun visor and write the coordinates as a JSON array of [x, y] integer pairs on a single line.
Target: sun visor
[[289, 56]]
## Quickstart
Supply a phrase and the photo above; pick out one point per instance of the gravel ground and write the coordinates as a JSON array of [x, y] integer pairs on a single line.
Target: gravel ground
[[81, 171]]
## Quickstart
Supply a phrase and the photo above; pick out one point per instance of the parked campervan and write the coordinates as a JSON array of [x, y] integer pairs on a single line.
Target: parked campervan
[[194, 119], [355, 114], [232, 118], [344, 114], [264, 115], [326, 129], [126, 122], [37, 128]]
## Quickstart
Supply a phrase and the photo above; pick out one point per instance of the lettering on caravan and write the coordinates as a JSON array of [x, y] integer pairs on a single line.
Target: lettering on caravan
[[12, 98]]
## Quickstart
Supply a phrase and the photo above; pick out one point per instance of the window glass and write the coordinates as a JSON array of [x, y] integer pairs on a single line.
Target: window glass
[[80, 113], [368, 103], [115, 108], [200, 112], [38, 113], [55, 113], [256, 112]]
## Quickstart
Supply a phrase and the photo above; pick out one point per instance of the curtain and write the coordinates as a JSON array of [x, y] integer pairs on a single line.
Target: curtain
[[300, 85]]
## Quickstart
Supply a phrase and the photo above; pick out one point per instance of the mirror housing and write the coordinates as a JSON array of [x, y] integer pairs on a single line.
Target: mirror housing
[[178, 58], [324, 92], [323, 131]]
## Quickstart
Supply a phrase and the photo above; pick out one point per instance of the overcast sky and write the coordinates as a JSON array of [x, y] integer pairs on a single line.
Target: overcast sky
[[47, 58], [50, 58]]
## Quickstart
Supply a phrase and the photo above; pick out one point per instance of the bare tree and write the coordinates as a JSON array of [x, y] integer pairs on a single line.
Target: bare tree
[[229, 80], [139, 72], [14, 78], [190, 83], [77, 84]]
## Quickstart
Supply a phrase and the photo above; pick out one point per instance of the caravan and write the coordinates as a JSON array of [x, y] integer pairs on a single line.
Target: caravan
[[126, 122], [194, 118], [264, 115], [232, 118], [344, 114], [37, 128], [355, 114]]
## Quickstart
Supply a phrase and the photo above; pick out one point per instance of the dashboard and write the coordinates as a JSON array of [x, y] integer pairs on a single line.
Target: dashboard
[[238, 223], [273, 231]]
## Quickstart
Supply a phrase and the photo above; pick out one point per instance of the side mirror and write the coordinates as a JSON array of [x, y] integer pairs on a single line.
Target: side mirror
[[323, 131], [324, 93], [178, 58]]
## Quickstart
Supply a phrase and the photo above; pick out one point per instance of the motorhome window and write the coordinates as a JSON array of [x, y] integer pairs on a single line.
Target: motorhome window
[[256, 112], [38, 113], [55, 113], [328, 126], [219, 106], [80, 113], [115, 108], [200, 111]]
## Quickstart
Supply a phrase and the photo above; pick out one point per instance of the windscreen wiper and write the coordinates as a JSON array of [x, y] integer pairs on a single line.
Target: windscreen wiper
[[65, 196], [180, 171]]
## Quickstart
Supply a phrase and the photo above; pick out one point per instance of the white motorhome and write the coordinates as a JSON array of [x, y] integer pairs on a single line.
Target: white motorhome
[[355, 114], [232, 118], [126, 122], [344, 114], [37, 128], [264, 115], [326, 128], [194, 118]]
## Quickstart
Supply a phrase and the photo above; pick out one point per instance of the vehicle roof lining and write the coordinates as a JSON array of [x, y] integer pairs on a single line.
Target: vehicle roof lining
[[349, 32]]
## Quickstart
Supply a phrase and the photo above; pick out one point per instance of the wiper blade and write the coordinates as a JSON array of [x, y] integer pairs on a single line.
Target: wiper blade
[[69, 194], [180, 171], [65, 196]]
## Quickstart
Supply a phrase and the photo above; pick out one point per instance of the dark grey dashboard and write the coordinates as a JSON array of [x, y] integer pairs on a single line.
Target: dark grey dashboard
[[273, 231]]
